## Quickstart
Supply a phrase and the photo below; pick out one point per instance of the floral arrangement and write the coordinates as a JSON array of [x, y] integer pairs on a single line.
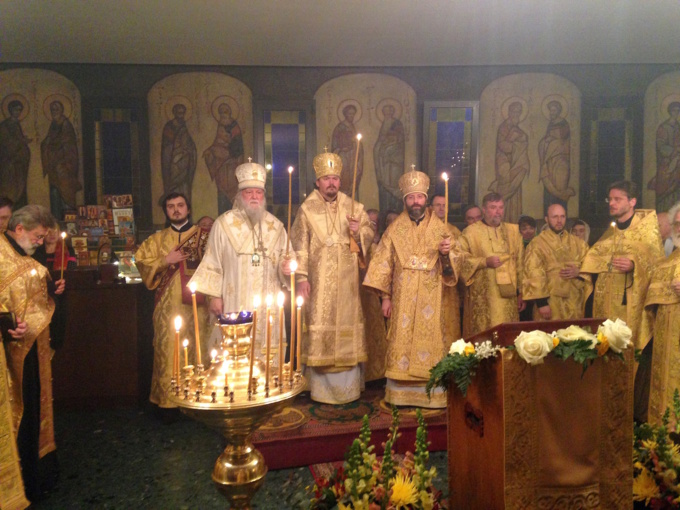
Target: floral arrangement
[[656, 461], [366, 483], [460, 364]]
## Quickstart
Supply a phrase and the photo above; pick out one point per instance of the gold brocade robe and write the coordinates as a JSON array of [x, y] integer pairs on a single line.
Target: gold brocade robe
[[490, 293], [641, 243], [406, 268], [376, 332], [150, 258], [664, 303], [23, 290], [335, 336], [11, 484], [544, 257], [451, 299]]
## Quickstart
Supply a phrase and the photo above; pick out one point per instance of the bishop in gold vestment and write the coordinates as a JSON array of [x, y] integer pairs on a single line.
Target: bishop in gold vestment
[[334, 345], [492, 269], [663, 300], [406, 270], [166, 261], [551, 267]]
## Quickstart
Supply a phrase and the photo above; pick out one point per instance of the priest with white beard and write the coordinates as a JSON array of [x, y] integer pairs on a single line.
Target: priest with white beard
[[246, 254]]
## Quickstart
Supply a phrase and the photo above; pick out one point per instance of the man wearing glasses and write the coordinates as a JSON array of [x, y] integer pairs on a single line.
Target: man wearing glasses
[[25, 297], [621, 261]]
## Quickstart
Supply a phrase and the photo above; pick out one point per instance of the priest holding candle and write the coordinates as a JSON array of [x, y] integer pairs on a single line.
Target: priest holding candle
[[166, 261], [246, 255], [331, 236]]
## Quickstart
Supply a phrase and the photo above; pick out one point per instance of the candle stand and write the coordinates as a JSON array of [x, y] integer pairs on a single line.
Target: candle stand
[[222, 398]]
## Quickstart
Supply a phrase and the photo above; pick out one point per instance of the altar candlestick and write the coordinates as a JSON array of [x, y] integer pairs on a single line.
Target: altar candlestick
[[178, 326], [446, 197], [192, 288], [269, 300], [185, 344], [299, 302], [293, 268], [290, 204], [63, 251], [354, 180], [256, 305], [279, 301]]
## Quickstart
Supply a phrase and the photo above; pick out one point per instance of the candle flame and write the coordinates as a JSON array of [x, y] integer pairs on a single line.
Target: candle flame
[[63, 235], [213, 354], [33, 272], [358, 136], [268, 166], [269, 300], [185, 344], [257, 301], [279, 299], [445, 176], [192, 287], [299, 301], [293, 266], [178, 323], [290, 169], [613, 224], [232, 316]]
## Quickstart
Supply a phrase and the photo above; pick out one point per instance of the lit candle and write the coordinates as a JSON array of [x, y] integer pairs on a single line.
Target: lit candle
[[354, 180], [213, 355], [290, 203], [256, 305], [63, 251], [446, 197], [279, 301], [185, 344], [293, 268], [192, 288], [299, 333], [178, 326], [269, 300]]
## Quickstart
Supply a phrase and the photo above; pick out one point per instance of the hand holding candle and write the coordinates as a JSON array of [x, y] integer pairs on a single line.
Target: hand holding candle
[[192, 288]]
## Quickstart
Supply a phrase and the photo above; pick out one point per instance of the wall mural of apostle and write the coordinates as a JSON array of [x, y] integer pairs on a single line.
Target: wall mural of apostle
[[178, 150], [226, 151], [512, 157], [554, 153], [15, 154], [59, 155], [389, 153], [344, 144], [666, 182]]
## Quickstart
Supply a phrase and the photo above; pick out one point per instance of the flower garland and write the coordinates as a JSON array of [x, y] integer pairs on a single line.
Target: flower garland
[[463, 359], [366, 483]]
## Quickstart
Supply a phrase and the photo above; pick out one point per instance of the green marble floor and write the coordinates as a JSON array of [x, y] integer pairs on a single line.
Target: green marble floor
[[128, 459]]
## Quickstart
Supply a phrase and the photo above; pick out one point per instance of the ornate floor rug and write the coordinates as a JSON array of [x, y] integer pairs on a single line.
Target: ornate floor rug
[[312, 433]]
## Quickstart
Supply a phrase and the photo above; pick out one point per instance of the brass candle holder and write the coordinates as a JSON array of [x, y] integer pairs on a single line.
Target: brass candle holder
[[222, 398]]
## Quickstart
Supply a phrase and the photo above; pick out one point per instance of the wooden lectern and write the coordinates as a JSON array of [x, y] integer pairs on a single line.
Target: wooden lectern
[[544, 436]]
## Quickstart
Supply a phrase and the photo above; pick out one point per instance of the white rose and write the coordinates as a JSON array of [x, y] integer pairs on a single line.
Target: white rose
[[458, 347], [618, 334], [533, 346], [573, 333]]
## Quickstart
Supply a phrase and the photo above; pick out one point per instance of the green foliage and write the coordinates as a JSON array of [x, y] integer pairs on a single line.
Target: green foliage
[[456, 367]]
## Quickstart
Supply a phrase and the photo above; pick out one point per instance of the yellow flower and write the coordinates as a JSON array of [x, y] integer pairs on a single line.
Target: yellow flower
[[403, 492], [343, 507], [645, 488], [469, 349], [603, 346], [650, 444], [556, 342]]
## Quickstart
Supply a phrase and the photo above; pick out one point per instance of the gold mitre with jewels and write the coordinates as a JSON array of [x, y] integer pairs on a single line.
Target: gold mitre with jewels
[[414, 181], [327, 163], [251, 175]]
